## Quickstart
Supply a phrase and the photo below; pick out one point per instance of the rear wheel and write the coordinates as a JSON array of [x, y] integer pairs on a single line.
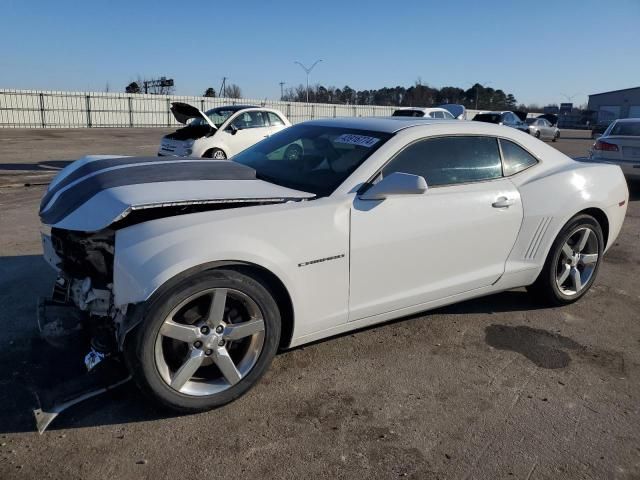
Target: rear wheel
[[572, 264], [206, 341], [216, 154]]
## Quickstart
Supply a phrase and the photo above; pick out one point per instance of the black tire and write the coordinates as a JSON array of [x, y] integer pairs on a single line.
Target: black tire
[[293, 153], [537, 134], [545, 288], [216, 153], [140, 345]]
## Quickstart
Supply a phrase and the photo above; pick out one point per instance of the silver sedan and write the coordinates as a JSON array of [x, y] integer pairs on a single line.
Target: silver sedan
[[542, 129]]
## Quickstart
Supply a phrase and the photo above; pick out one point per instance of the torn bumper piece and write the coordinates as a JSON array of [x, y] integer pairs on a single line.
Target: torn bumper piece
[[107, 375], [63, 326]]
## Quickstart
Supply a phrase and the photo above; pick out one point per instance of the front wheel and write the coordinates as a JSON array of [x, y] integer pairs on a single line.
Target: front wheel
[[572, 264], [537, 135], [206, 341], [216, 154]]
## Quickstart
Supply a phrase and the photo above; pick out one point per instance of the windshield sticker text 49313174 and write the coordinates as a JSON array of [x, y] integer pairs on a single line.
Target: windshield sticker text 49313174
[[360, 140]]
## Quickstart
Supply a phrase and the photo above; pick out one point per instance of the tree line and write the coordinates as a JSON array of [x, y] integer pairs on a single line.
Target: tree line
[[418, 95]]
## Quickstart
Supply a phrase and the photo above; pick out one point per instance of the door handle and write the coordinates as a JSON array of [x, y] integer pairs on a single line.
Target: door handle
[[503, 202]]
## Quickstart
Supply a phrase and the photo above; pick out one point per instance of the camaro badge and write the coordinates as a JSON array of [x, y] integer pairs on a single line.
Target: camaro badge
[[311, 262]]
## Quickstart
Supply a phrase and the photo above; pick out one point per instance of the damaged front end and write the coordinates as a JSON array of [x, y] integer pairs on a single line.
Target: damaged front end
[[81, 312]]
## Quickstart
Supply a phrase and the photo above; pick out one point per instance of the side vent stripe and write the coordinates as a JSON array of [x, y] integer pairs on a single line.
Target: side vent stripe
[[536, 241]]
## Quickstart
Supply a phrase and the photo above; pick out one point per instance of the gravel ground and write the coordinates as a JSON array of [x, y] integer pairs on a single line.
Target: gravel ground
[[490, 388]]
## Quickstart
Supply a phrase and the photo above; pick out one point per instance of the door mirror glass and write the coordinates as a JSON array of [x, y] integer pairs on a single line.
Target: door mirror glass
[[396, 183]]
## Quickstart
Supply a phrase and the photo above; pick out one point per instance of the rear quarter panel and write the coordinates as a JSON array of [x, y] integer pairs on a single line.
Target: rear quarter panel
[[551, 196]]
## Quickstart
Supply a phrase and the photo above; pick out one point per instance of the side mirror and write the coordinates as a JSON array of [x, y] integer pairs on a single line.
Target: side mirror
[[396, 184], [232, 129]]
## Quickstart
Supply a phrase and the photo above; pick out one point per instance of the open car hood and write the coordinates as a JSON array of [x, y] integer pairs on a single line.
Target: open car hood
[[183, 112], [521, 115], [458, 111], [93, 193]]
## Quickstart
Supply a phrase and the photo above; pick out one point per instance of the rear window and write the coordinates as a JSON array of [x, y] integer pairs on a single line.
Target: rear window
[[408, 113], [628, 129], [487, 117]]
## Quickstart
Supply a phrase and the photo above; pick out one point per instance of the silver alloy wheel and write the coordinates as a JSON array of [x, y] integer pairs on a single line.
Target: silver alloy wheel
[[209, 342], [577, 261], [219, 155]]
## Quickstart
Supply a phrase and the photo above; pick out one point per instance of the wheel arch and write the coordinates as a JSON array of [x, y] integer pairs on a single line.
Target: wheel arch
[[269, 279], [601, 217]]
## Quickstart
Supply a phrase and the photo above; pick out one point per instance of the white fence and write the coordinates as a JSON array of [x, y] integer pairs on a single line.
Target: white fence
[[51, 109]]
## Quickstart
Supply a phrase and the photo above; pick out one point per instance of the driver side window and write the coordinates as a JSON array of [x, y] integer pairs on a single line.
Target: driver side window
[[249, 120], [449, 160]]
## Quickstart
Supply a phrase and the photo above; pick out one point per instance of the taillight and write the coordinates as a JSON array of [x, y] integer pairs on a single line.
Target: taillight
[[605, 146]]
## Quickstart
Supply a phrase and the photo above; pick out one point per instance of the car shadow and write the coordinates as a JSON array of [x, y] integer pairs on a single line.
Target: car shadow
[[634, 190], [29, 366]]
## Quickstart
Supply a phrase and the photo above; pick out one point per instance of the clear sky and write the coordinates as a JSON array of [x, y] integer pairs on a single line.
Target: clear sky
[[538, 49]]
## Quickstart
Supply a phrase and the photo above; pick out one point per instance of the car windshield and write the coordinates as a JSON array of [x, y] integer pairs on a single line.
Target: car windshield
[[312, 158], [217, 115], [626, 129], [408, 113], [530, 121], [488, 117]]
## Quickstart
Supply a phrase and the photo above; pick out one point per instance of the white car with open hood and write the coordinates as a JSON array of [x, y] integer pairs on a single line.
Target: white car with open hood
[[196, 272], [220, 132]]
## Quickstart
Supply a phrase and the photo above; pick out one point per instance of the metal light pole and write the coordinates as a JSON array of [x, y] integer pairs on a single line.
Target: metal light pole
[[308, 71]]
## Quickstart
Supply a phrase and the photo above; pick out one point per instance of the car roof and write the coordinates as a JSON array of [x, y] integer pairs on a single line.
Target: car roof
[[395, 124], [423, 109], [627, 120], [234, 108]]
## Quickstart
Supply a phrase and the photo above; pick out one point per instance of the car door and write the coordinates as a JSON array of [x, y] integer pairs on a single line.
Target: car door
[[456, 237], [275, 122], [244, 130]]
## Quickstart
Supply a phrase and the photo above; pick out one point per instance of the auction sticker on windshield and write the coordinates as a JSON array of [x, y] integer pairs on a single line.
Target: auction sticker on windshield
[[360, 140]]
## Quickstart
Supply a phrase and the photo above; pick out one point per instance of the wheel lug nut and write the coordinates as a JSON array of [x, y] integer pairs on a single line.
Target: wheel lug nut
[[197, 344], [219, 329], [205, 330], [208, 351], [221, 343]]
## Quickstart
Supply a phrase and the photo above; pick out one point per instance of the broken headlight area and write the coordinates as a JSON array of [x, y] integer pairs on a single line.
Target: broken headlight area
[[80, 315], [83, 255]]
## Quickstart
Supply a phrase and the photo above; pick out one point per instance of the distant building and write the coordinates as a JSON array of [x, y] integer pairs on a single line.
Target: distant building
[[608, 106]]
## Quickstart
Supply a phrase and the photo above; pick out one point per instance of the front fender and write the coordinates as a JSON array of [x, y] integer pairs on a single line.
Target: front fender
[[304, 244]]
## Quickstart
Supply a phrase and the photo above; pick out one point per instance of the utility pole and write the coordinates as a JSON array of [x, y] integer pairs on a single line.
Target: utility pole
[[281, 90], [308, 71], [223, 88]]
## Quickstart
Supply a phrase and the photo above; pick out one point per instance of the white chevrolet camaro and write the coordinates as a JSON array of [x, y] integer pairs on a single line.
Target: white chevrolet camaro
[[196, 272]]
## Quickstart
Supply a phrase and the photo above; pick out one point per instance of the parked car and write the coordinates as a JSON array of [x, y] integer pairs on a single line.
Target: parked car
[[435, 112], [598, 129], [552, 118], [508, 119], [196, 273], [542, 129], [620, 145], [220, 132]]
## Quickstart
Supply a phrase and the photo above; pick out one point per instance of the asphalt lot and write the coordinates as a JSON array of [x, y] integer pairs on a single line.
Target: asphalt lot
[[490, 388]]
